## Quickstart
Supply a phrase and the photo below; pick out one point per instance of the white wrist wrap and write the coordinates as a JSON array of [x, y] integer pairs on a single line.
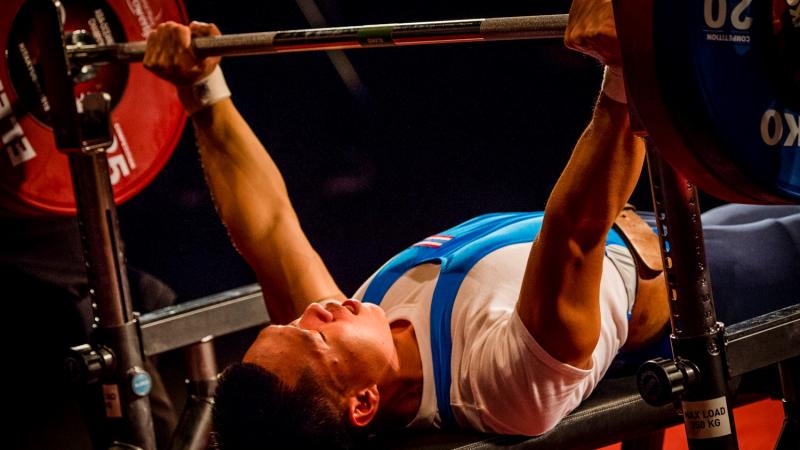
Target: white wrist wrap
[[204, 93], [614, 84]]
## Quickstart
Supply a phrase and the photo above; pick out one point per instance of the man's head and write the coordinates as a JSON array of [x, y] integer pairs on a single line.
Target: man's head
[[330, 360], [254, 409]]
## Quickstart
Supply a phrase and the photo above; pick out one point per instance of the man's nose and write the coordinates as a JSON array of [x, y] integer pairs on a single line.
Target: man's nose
[[316, 313]]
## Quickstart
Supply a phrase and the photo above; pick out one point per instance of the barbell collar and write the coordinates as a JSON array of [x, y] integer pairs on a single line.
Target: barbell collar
[[341, 38]]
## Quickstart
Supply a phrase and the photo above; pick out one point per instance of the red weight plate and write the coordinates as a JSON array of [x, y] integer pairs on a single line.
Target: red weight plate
[[147, 117]]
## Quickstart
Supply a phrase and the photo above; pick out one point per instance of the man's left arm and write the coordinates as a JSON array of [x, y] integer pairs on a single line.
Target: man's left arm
[[559, 300]]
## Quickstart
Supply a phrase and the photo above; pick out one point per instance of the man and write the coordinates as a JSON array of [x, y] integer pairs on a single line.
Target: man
[[477, 327]]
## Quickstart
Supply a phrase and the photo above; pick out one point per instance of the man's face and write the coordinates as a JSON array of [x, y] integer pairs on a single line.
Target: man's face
[[349, 343]]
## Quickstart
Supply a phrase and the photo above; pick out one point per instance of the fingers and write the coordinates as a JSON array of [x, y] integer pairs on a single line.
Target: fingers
[[591, 30], [169, 53], [167, 45], [202, 29]]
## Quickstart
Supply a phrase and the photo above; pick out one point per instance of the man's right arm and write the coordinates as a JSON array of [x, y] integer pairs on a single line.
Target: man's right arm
[[247, 187], [252, 200]]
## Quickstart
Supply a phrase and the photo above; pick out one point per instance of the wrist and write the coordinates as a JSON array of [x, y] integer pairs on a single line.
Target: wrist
[[614, 84], [204, 93]]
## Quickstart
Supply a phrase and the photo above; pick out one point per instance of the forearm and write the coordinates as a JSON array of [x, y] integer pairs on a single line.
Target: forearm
[[247, 187], [599, 178]]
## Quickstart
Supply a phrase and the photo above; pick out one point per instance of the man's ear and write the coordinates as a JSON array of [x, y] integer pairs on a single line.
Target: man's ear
[[363, 405]]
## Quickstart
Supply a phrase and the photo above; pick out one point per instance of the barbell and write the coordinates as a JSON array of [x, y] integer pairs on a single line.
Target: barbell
[[715, 83]]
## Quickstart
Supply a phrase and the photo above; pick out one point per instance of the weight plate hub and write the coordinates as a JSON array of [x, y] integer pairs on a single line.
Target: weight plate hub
[[147, 117], [730, 71]]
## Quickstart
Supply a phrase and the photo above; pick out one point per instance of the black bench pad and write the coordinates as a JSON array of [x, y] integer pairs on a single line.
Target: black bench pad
[[613, 412]]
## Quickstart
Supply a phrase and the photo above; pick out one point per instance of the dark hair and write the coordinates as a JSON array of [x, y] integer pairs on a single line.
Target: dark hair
[[254, 409]]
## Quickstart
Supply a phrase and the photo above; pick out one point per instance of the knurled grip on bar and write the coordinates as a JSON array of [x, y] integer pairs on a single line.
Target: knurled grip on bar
[[339, 38]]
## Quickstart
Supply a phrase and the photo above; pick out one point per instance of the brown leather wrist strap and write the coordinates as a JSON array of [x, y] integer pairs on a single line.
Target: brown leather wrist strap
[[650, 312], [641, 241]]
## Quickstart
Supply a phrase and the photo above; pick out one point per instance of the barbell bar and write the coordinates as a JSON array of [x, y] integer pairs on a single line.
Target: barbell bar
[[341, 38]]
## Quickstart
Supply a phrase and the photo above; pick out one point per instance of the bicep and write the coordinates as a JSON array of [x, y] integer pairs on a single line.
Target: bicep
[[559, 298]]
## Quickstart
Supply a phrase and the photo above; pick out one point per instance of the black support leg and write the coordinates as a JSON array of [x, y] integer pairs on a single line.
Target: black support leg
[[115, 358], [125, 385], [789, 438], [194, 427], [697, 338]]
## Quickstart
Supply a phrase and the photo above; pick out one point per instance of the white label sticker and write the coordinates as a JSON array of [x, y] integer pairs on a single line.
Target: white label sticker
[[707, 419], [17, 146], [111, 397]]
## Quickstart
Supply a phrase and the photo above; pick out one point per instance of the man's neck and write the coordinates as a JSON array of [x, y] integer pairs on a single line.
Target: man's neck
[[401, 389]]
